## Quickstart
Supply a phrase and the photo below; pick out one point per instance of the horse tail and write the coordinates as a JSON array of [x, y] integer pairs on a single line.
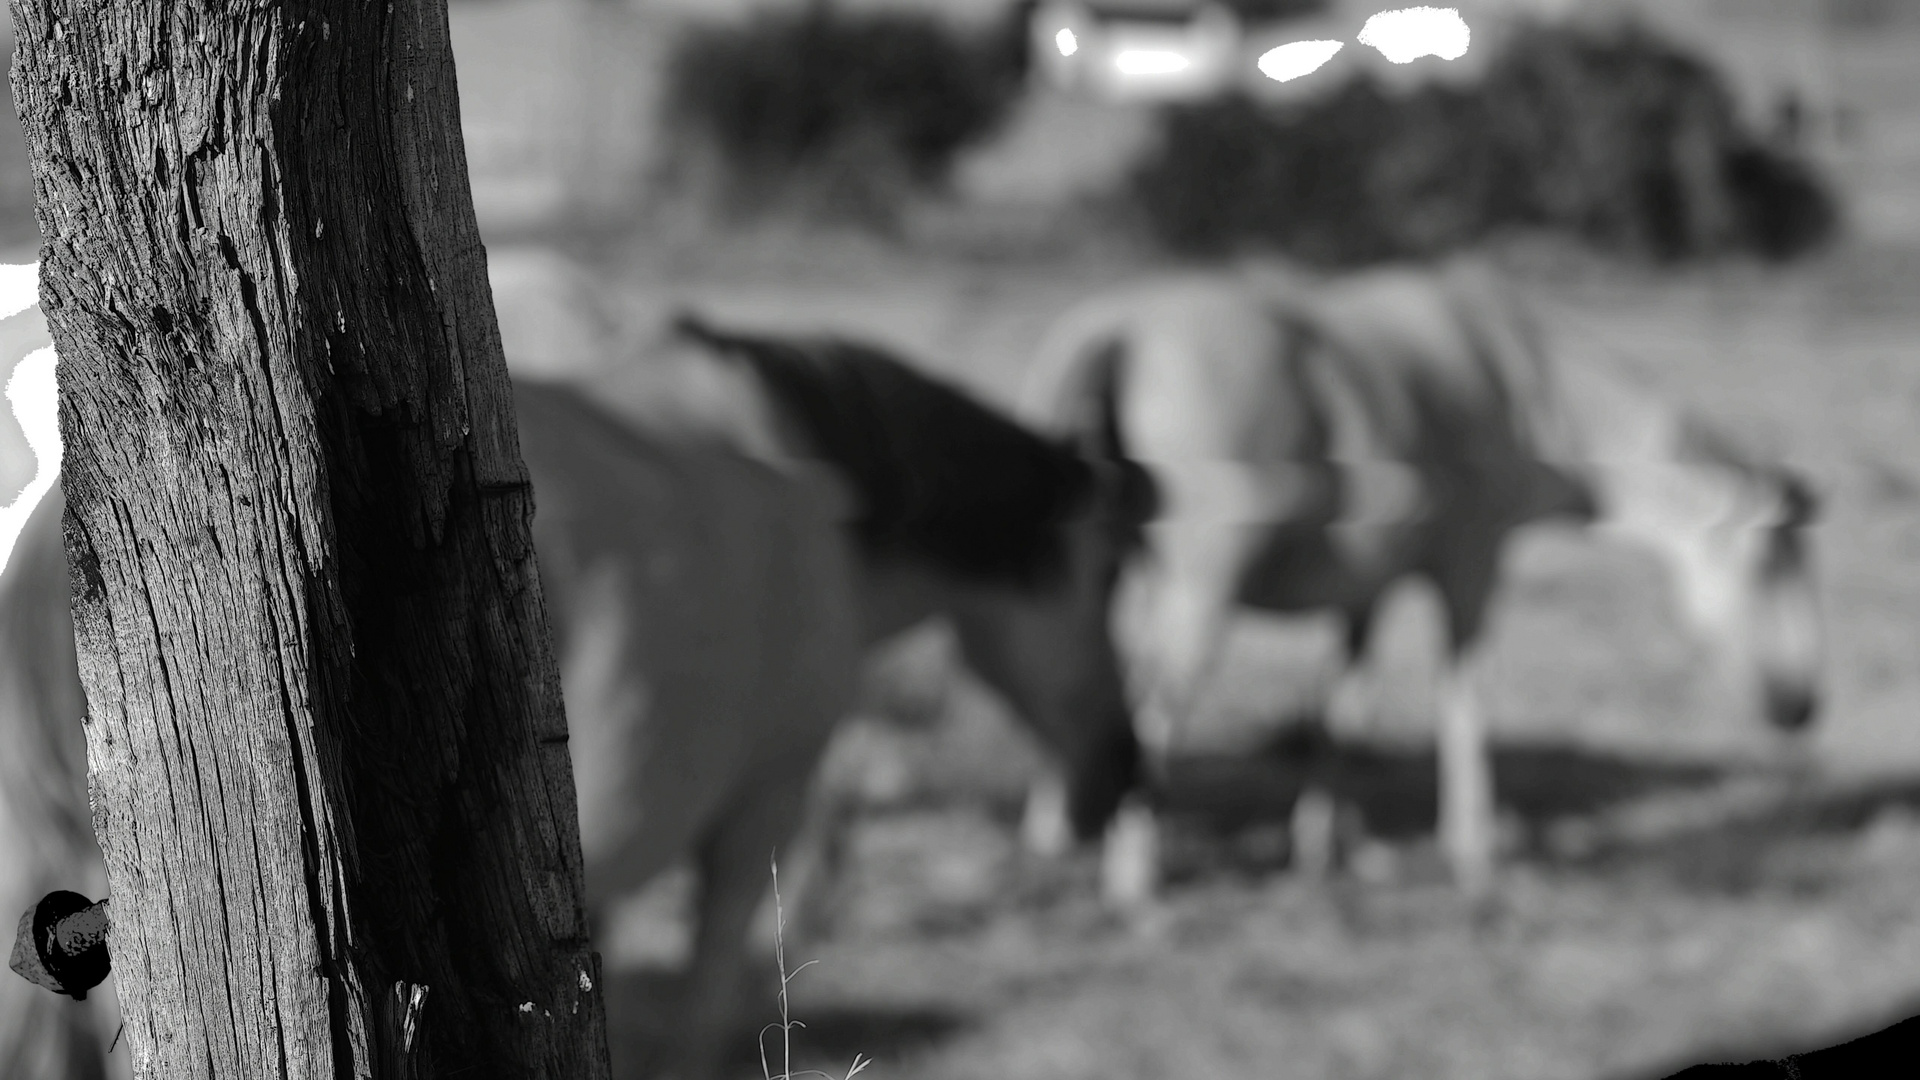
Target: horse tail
[[1053, 391]]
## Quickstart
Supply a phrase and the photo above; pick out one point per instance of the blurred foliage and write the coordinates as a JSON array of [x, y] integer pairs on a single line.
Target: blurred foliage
[[835, 113], [1872, 14], [1610, 134], [1256, 11]]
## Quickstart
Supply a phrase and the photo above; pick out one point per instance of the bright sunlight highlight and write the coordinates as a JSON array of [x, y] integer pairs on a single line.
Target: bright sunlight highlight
[[1297, 58], [1408, 34], [19, 288], [36, 404], [1066, 43], [1150, 62]]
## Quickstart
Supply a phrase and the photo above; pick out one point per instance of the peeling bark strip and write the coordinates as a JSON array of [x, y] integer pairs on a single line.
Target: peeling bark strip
[[329, 766]]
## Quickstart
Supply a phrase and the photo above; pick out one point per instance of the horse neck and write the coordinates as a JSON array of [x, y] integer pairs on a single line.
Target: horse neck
[[1645, 488], [1601, 428], [896, 594]]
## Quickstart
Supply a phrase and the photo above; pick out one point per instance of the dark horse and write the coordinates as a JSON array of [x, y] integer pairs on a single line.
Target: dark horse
[[962, 513]]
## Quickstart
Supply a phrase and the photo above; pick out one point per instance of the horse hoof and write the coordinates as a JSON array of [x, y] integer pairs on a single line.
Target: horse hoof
[[1478, 891], [1375, 863], [1486, 910], [1130, 859], [1044, 829], [1313, 834]]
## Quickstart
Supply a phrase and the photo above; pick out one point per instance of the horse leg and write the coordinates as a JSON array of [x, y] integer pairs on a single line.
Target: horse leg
[[1466, 770], [1173, 616], [1189, 620], [814, 864], [1044, 829], [1130, 855], [1353, 696], [1466, 780], [1129, 852], [1189, 608], [1352, 699], [734, 862]]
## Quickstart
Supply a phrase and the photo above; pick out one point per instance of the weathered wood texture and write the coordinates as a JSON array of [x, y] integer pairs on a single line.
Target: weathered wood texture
[[328, 755]]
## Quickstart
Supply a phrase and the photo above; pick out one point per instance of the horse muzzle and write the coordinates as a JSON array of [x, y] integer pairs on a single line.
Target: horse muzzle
[[1791, 705], [1101, 781]]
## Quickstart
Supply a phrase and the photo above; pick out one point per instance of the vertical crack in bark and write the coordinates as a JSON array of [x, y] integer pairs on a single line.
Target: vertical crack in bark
[[328, 936]]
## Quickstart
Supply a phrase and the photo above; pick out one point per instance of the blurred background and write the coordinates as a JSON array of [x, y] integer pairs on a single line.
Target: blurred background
[[1722, 196]]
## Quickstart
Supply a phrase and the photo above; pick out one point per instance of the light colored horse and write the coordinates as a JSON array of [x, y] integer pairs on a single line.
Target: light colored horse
[[1318, 440]]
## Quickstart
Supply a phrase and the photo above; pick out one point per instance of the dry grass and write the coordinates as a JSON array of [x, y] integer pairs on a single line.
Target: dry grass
[[787, 1024]]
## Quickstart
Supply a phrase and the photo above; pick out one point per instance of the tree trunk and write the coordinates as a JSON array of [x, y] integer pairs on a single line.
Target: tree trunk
[[328, 758]]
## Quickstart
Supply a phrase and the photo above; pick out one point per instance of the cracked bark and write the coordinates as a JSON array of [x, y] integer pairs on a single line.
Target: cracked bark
[[328, 759]]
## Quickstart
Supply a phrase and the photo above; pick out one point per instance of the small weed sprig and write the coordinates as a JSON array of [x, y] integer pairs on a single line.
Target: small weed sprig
[[787, 1023]]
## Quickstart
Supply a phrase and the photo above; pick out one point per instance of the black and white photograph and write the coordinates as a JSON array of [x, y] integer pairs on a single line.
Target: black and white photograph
[[960, 539]]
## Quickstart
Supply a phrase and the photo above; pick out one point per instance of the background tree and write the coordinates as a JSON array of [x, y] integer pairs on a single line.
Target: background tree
[[328, 756]]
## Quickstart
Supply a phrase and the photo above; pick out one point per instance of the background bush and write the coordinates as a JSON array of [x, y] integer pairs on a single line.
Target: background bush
[[844, 113], [1613, 135], [1253, 11]]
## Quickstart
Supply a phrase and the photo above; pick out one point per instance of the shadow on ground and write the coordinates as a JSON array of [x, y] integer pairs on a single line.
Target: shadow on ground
[[1395, 787], [1702, 825], [642, 1009], [1895, 1037]]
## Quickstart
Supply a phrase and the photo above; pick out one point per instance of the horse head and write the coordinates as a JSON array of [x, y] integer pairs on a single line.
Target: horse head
[[1018, 539], [1745, 572]]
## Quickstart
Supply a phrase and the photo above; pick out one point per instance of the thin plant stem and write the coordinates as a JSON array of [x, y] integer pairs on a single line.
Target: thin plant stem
[[787, 1023]]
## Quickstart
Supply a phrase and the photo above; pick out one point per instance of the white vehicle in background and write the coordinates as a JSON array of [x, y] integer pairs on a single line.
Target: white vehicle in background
[[1138, 50], [1193, 50]]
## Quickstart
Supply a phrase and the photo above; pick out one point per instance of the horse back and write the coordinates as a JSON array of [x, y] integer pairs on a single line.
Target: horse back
[[1454, 380], [1438, 404]]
